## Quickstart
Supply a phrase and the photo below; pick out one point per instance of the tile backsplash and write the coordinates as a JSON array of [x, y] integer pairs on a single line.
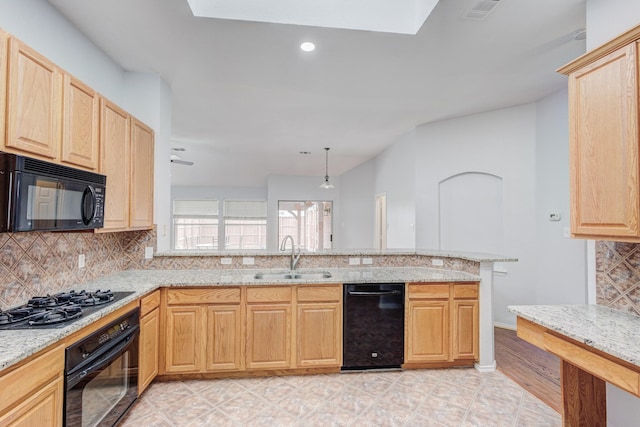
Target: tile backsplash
[[46, 263], [618, 275]]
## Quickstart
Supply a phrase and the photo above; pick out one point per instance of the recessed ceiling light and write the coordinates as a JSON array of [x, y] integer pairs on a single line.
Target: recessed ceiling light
[[307, 46]]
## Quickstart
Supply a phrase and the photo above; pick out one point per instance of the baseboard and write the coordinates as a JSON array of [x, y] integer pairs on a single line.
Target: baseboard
[[485, 368], [504, 326]]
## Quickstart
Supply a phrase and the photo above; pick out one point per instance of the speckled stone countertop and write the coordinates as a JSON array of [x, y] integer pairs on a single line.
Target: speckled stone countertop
[[471, 256], [611, 331], [17, 345]]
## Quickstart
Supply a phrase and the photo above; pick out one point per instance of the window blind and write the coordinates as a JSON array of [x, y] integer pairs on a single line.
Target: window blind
[[195, 208], [245, 209]]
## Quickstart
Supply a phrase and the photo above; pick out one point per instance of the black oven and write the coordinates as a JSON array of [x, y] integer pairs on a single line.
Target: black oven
[[101, 374]]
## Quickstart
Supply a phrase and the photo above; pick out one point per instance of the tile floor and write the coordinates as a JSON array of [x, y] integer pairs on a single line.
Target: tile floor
[[448, 397]]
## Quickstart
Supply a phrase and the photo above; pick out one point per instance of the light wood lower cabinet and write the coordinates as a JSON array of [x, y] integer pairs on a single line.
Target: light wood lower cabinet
[[319, 334], [203, 330], [32, 394], [251, 328], [149, 340], [441, 323], [224, 343], [269, 336]]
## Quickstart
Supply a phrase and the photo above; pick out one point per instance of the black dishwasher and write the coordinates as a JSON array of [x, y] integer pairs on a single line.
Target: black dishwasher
[[373, 329]]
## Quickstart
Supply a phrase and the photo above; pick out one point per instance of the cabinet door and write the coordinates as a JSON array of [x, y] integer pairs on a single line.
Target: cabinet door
[[603, 123], [141, 203], [427, 331], [35, 100], [268, 336], [80, 146], [42, 408], [319, 340], [182, 352], [149, 336], [224, 338], [465, 329], [114, 163], [4, 50]]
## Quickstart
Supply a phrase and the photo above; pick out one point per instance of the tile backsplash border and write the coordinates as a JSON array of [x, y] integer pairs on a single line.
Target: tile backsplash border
[[40, 263]]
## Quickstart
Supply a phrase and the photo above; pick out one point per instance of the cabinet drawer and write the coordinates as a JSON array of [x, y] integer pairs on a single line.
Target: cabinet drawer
[[149, 302], [428, 291], [28, 378], [469, 291], [203, 296], [270, 294], [319, 293]]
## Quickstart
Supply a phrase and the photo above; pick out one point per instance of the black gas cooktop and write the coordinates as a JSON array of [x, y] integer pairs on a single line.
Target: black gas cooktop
[[57, 311]]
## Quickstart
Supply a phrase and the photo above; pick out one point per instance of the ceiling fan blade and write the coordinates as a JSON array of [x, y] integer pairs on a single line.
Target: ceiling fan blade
[[182, 162]]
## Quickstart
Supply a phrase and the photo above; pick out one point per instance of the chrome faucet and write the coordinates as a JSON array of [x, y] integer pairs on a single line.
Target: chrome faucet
[[294, 258]]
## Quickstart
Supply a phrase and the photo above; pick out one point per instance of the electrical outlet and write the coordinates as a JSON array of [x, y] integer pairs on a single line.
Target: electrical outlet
[[225, 261], [248, 260], [81, 261], [354, 261], [437, 262], [148, 252], [566, 232], [367, 261]]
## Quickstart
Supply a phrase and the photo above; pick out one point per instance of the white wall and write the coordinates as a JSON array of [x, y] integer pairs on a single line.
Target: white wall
[[500, 143], [605, 20], [39, 25], [561, 262], [357, 206], [299, 188], [395, 176]]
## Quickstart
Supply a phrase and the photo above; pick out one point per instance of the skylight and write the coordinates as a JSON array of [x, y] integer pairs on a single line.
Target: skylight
[[387, 16]]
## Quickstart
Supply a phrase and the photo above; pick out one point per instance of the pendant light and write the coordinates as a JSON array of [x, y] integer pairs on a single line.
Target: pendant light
[[326, 184]]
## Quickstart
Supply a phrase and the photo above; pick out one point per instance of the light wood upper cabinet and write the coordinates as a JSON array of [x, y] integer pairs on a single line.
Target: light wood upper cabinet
[[34, 103], [604, 137], [115, 163], [141, 203], [80, 144], [32, 394]]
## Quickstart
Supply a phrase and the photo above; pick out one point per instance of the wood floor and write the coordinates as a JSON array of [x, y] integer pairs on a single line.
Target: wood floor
[[532, 368]]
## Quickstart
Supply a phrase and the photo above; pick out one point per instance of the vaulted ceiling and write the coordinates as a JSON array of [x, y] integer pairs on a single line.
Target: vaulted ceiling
[[247, 100]]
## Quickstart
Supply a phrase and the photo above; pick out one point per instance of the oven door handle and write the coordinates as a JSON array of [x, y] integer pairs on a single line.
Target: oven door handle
[[104, 360], [372, 293]]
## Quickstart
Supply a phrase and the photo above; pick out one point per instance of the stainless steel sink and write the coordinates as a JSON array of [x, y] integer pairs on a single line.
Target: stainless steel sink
[[293, 275]]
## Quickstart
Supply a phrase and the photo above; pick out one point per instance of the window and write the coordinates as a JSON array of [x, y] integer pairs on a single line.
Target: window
[[245, 224], [195, 224], [308, 222]]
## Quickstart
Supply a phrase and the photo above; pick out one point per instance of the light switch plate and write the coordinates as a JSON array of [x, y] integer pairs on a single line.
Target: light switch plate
[[148, 252], [248, 260], [367, 261], [437, 262], [354, 261], [81, 261], [225, 261]]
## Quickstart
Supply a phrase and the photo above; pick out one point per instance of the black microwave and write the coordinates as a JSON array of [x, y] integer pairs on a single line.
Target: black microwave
[[40, 196]]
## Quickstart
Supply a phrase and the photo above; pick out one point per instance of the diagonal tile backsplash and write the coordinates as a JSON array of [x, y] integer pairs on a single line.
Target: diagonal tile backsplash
[[618, 275], [46, 263]]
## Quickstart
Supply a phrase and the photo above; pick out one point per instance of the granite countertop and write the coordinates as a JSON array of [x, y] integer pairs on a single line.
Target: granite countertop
[[612, 331], [471, 256], [17, 345]]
